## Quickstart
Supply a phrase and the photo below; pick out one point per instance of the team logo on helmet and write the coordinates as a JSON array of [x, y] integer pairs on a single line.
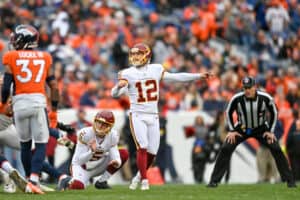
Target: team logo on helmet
[[24, 37], [139, 55]]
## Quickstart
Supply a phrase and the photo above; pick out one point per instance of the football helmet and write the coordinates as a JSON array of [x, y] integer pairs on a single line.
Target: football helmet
[[24, 37], [103, 122], [139, 55]]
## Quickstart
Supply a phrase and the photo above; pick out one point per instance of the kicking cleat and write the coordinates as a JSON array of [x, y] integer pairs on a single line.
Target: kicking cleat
[[63, 184], [145, 184], [134, 183], [9, 187], [20, 181], [102, 185]]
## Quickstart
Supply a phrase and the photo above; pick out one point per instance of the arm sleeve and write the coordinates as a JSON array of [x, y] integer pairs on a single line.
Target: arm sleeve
[[82, 154], [273, 114], [5, 91], [116, 92], [115, 154], [229, 113], [180, 77]]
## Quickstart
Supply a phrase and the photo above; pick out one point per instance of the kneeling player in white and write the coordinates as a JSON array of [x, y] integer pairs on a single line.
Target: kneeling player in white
[[96, 154]]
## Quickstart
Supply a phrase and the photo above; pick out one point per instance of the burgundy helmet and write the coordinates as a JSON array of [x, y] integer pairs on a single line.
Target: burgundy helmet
[[103, 122], [139, 55]]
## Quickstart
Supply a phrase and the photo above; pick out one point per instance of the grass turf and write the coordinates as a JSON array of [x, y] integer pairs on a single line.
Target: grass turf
[[171, 192]]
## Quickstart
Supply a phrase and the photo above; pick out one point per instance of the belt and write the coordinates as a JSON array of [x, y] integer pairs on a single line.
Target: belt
[[251, 131]]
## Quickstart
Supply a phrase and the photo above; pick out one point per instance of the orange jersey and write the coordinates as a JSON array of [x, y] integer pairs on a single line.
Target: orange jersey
[[29, 69]]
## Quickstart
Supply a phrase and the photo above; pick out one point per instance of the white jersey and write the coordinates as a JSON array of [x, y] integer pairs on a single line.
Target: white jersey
[[143, 87], [108, 145]]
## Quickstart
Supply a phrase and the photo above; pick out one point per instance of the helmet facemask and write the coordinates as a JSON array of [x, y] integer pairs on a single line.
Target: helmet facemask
[[102, 127], [24, 37], [139, 55]]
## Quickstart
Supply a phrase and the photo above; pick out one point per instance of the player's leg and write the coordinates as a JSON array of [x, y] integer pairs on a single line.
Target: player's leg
[[223, 160], [40, 134], [80, 178], [19, 180], [153, 134], [139, 134], [101, 182], [23, 130], [280, 159], [10, 137]]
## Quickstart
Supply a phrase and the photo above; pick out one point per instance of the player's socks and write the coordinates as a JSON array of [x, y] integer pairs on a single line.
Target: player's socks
[[150, 158], [26, 155], [38, 158], [142, 162], [6, 166], [34, 178]]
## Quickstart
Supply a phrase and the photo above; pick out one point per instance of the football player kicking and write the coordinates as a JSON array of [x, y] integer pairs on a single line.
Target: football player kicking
[[96, 154], [141, 82]]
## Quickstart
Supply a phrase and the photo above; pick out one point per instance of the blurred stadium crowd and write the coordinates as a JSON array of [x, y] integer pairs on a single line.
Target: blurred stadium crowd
[[89, 41]]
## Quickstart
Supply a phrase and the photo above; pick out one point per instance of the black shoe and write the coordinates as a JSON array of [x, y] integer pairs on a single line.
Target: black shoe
[[63, 184], [102, 185], [212, 185], [291, 184]]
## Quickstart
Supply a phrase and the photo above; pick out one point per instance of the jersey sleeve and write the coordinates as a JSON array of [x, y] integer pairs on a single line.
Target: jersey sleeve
[[122, 75], [84, 136], [115, 138], [6, 58]]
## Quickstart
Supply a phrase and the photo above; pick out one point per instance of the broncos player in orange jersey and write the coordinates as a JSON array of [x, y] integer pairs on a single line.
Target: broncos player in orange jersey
[[29, 70]]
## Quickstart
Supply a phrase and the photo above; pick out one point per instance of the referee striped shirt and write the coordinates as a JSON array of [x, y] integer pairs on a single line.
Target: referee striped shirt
[[252, 113]]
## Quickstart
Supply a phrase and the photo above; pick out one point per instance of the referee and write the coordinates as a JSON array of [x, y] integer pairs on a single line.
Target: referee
[[251, 107]]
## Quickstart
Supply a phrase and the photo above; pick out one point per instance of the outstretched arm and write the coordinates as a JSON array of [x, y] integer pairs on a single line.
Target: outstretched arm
[[185, 77]]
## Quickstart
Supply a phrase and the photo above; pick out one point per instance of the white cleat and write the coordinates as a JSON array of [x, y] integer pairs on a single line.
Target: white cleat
[[145, 184], [134, 183], [9, 187]]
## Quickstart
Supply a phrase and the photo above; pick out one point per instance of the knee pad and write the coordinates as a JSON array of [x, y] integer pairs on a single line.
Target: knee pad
[[76, 185]]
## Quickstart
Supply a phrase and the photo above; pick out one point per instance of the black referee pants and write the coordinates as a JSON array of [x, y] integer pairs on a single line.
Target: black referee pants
[[227, 149]]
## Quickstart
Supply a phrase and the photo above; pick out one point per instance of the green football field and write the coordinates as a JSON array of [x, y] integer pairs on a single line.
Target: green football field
[[170, 192]]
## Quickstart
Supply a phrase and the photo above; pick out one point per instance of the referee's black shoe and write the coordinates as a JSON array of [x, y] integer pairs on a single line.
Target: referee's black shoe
[[291, 184], [102, 185], [212, 185]]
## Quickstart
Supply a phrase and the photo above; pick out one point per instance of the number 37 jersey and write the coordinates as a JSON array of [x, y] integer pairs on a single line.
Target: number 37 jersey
[[143, 87], [29, 69]]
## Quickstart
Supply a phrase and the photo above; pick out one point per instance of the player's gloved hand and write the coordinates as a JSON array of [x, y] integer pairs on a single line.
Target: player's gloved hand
[[97, 154], [122, 83], [52, 115], [206, 75], [66, 142], [114, 163]]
